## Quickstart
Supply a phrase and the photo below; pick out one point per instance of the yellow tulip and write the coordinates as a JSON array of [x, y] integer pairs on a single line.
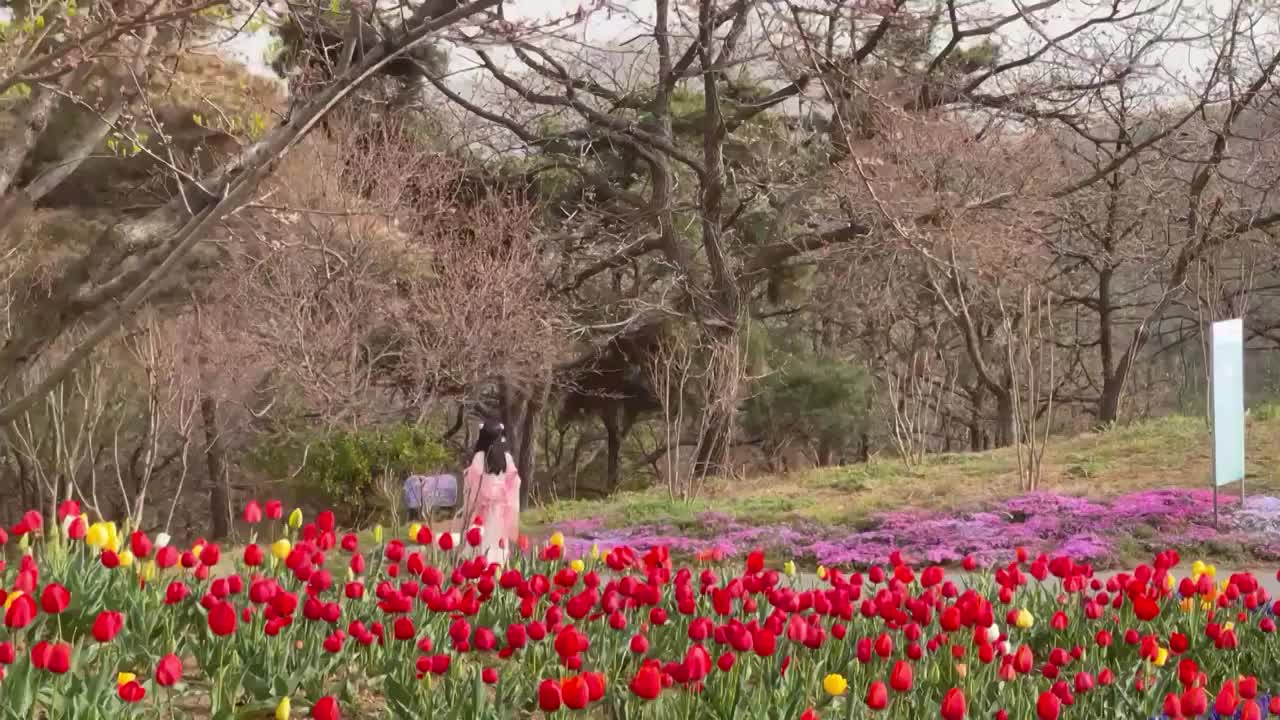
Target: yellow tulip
[[1197, 569], [1168, 582], [1162, 656], [281, 548], [557, 539], [126, 558], [577, 565], [195, 550], [282, 710], [822, 572], [8, 600], [1025, 619], [595, 551], [113, 537], [295, 518], [148, 571], [1228, 626], [414, 529], [789, 567], [835, 684], [125, 678], [96, 536], [377, 533]]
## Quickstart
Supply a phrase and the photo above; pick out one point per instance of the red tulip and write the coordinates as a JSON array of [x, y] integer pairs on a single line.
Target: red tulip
[[77, 529], [726, 661], [473, 537], [107, 625], [446, 541], [275, 509], [1225, 703], [7, 654], [877, 696], [403, 628], [1172, 706], [140, 545], [647, 683], [953, 705], [58, 659], [1194, 701], [575, 693], [222, 619], [40, 655], [809, 714], [900, 678], [131, 692], [210, 554], [54, 599], [1048, 706], [489, 675], [253, 512], [1251, 710], [326, 708], [549, 699], [1248, 687], [20, 613], [253, 555], [326, 521], [1023, 660], [639, 644], [166, 557], [169, 671]]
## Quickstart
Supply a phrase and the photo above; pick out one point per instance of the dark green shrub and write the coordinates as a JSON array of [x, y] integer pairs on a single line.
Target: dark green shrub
[[344, 469], [818, 402]]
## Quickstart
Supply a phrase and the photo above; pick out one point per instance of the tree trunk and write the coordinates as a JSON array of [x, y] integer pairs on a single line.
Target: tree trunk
[[528, 441], [613, 455], [215, 456], [1006, 431], [1109, 401], [825, 451], [979, 399]]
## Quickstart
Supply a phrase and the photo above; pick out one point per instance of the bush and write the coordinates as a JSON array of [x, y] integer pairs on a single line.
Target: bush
[[820, 402], [343, 468]]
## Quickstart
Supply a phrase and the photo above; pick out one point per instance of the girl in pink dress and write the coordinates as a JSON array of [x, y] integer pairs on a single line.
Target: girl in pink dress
[[492, 493]]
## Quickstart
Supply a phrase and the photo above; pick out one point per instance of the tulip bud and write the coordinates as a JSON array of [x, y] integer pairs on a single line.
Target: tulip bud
[[282, 709], [280, 549], [377, 533], [295, 518]]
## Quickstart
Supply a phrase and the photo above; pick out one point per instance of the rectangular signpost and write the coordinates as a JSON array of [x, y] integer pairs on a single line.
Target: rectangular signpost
[[1227, 406]]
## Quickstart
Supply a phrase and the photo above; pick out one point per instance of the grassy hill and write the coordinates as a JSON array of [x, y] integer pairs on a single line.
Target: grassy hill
[[1122, 470]]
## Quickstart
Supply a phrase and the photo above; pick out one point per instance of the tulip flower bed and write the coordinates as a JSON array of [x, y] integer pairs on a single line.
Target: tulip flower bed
[[99, 623]]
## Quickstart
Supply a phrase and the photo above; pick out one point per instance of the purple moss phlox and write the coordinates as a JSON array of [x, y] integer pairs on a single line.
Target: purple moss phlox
[[1086, 529]]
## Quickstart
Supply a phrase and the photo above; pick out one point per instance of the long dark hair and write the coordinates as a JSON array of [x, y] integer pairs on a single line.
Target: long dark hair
[[492, 441]]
